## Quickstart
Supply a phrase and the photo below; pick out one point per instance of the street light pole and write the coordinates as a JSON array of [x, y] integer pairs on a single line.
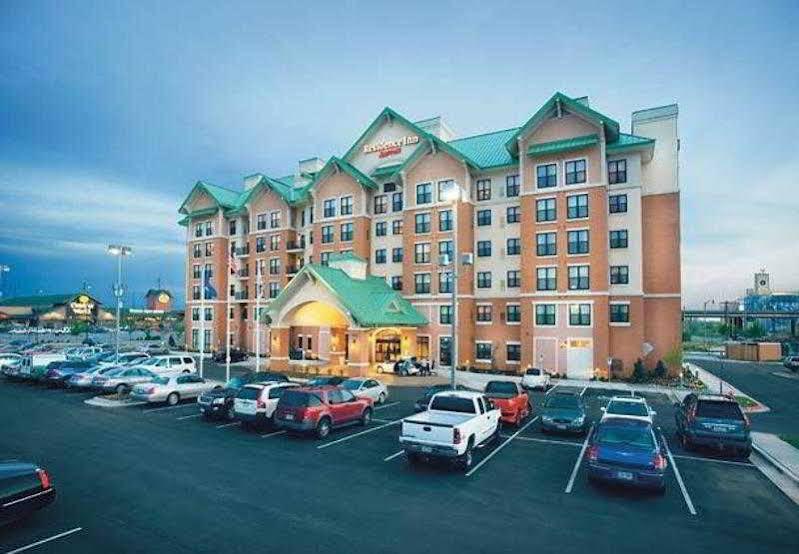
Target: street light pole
[[3, 269], [119, 251], [452, 194], [711, 301]]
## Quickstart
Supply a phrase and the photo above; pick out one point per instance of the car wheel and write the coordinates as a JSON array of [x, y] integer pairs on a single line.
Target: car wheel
[[323, 428], [496, 436], [467, 458], [173, 398], [685, 442], [229, 414], [121, 390], [366, 417], [382, 398], [745, 453], [413, 458]]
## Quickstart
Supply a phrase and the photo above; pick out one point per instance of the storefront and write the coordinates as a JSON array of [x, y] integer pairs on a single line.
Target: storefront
[[55, 310]]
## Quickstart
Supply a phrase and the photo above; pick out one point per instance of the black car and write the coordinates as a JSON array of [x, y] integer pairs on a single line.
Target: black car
[[236, 355], [421, 404], [713, 421], [24, 488], [334, 380], [218, 403]]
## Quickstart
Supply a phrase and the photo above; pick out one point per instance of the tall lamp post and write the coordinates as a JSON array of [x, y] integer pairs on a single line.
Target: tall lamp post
[[3, 270], [120, 252], [452, 194]]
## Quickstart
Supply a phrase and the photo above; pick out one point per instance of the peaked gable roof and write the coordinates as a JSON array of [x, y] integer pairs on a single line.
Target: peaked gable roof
[[334, 164], [224, 198]]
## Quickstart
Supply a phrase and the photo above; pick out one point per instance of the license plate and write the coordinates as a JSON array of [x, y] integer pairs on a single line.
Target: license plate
[[288, 417], [626, 475], [561, 426], [202, 410], [720, 428], [427, 449]]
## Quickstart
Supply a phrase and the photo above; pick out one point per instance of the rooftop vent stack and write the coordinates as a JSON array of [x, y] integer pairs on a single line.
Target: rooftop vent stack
[[310, 166], [436, 126]]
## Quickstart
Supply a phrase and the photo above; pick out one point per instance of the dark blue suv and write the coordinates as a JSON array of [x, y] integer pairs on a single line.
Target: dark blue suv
[[713, 421]]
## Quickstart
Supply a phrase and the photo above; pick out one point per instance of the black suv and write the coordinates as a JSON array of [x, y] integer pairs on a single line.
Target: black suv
[[236, 355], [713, 421], [218, 403]]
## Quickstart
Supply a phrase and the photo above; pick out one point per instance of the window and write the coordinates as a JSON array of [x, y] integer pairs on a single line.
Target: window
[[195, 271], [396, 254], [324, 258], [195, 292], [482, 351], [483, 248], [198, 230], [346, 232], [231, 227], [513, 313], [618, 239], [209, 229], [260, 244], [380, 256], [483, 279], [577, 242], [514, 279], [422, 223], [619, 275], [546, 176], [578, 277], [445, 220], [244, 313], [327, 234], [546, 278], [513, 352], [346, 205], [483, 189], [329, 208], [513, 214], [381, 229], [424, 193], [421, 253], [444, 350], [577, 206], [396, 201], [381, 204], [484, 313], [260, 222], [483, 218], [209, 271], [396, 227], [445, 248], [620, 313], [514, 247], [422, 283], [575, 172], [274, 266], [546, 244], [274, 290], [512, 186], [445, 315], [445, 282], [617, 171], [545, 314], [198, 250], [580, 314], [396, 282], [274, 220], [389, 187], [209, 249], [443, 186], [195, 314], [209, 314], [545, 210], [274, 243], [617, 203]]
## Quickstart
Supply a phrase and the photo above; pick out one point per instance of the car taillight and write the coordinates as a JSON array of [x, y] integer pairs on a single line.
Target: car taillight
[[659, 461], [456, 436], [593, 453], [151, 390], [260, 404], [44, 479]]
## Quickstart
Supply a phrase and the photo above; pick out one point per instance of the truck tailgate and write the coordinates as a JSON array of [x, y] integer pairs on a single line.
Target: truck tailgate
[[433, 426]]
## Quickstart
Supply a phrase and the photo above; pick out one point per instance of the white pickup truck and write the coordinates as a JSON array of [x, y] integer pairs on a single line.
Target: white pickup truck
[[455, 423]]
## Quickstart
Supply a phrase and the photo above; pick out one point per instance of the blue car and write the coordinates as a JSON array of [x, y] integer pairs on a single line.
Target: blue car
[[627, 451]]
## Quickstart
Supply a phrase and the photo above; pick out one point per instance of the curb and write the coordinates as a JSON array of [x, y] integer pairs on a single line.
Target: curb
[[776, 464], [105, 403]]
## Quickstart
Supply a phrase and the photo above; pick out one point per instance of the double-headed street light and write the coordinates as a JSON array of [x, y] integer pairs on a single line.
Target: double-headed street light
[[120, 252]]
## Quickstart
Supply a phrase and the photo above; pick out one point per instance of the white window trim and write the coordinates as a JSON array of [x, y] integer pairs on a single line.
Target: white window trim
[[570, 229], [563, 168], [512, 343], [590, 316], [558, 175], [483, 360], [619, 323], [535, 322], [508, 304], [477, 321]]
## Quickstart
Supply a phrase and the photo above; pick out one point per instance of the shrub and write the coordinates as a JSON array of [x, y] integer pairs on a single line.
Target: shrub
[[661, 370], [639, 371]]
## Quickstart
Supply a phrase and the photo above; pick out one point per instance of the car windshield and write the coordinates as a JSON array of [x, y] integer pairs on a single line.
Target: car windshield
[[160, 380], [562, 401], [319, 381], [249, 393], [718, 409], [620, 407], [449, 403], [533, 371], [501, 388], [114, 372], [638, 436], [295, 399], [352, 384], [235, 383]]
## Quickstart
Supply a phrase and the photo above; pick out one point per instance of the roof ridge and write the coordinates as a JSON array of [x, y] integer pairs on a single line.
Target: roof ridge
[[485, 134]]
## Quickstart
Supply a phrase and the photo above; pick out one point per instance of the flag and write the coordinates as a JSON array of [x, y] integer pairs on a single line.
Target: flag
[[210, 291], [233, 262]]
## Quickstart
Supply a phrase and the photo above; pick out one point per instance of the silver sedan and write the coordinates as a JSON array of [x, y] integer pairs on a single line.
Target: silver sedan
[[173, 388], [123, 379]]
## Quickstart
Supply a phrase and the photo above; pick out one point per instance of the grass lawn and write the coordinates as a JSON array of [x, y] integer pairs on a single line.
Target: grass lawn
[[793, 440], [745, 402]]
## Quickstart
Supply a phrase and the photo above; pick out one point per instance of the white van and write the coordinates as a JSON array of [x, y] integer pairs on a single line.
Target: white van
[[171, 363], [32, 365]]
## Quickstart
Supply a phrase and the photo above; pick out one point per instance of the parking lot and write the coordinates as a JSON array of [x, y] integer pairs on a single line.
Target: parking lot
[[145, 479]]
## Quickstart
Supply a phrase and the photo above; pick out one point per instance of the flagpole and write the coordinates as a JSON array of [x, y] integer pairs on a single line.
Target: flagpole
[[257, 315], [227, 316], [202, 320]]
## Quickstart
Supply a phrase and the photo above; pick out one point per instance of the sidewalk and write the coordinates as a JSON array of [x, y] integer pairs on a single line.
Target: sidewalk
[[714, 385], [778, 461]]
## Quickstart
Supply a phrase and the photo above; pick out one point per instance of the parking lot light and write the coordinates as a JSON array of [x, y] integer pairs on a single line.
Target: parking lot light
[[120, 251]]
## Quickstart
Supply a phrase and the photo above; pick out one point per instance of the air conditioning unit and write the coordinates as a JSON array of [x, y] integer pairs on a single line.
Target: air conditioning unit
[[467, 258]]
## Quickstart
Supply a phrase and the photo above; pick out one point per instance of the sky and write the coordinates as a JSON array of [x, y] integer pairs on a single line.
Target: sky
[[111, 111]]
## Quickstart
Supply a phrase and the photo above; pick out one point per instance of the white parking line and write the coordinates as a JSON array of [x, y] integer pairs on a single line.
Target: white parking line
[[547, 441], [348, 437], [585, 388], [43, 541], [553, 388], [380, 420], [274, 433], [188, 416], [386, 405], [389, 458], [579, 461], [714, 460], [501, 446], [192, 404], [228, 424], [685, 494]]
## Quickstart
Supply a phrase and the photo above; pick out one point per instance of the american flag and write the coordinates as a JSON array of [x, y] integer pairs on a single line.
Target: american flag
[[233, 262]]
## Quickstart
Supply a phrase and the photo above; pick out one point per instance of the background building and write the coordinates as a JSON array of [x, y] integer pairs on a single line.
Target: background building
[[573, 228], [158, 299], [54, 310]]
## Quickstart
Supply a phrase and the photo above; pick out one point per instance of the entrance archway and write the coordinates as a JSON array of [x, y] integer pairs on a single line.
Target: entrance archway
[[387, 345], [316, 332]]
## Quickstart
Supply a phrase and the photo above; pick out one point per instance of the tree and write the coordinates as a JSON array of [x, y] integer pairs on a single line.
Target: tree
[[79, 327], [661, 370], [674, 359], [754, 330], [639, 371]]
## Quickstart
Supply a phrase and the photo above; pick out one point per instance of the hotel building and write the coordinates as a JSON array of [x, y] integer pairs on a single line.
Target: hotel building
[[566, 230]]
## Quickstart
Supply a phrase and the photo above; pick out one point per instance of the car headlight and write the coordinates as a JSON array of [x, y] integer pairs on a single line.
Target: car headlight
[[219, 401], [580, 420], [547, 418]]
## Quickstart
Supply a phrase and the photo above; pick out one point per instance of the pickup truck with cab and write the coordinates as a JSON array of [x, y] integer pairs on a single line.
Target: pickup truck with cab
[[454, 424]]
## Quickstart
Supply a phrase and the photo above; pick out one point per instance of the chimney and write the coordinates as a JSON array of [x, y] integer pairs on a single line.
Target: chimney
[[251, 180], [436, 126], [311, 165]]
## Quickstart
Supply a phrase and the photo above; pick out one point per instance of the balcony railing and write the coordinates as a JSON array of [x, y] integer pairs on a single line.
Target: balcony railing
[[243, 250], [243, 272], [241, 295], [295, 245]]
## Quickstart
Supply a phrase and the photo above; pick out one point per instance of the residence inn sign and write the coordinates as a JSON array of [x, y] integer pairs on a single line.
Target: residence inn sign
[[390, 147]]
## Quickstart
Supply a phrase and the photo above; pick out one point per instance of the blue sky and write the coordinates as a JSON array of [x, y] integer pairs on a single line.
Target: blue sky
[[109, 112]]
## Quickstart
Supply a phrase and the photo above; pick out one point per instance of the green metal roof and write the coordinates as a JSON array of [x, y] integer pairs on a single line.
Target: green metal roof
[[386, 171], [629, 142], [565, 145], [334, 162], [487, 150], [344, 256]]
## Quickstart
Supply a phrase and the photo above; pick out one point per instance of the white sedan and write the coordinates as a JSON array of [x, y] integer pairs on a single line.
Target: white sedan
[[173, 388], [630, 407], [535, 378], [363, 387]]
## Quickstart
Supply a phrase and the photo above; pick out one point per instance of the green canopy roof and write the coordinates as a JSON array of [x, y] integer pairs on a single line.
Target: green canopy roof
[[565, 145]]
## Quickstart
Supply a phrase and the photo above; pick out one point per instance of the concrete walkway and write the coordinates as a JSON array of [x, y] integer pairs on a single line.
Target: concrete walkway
[[778, 461], [714, 385]]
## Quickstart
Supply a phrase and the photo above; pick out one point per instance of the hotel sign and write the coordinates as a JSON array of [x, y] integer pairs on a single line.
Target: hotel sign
[[390, 147], [83, 307]]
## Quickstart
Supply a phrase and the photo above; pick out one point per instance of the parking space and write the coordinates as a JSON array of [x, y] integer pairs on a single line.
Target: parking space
[[544, 474]]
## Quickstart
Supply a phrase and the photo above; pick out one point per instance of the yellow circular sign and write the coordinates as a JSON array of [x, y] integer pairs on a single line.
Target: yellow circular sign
[[163, 298], [83, 299]]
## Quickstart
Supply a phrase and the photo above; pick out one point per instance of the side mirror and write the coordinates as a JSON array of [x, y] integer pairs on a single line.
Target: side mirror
[[603, 409], [653, 412]]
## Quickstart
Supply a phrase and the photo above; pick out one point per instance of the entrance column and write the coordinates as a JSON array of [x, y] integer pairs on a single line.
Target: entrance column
[[279, 360], [358, 360]]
